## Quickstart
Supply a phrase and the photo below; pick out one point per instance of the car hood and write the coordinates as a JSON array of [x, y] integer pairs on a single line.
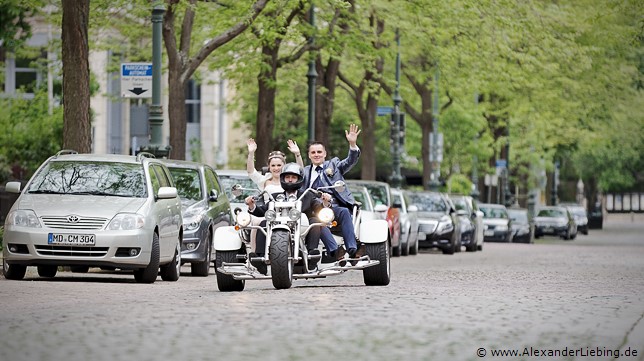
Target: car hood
[[495, 221], [430, 215], [63, 205]]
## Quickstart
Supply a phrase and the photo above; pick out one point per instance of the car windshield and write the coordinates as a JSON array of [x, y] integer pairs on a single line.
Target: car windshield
[[459, 203], [378, 193], [228, 181], [578, 211], [493, 212], [90, 178], [556, 213], [188, 183], [518, 215], [360, 196], [428, 202]]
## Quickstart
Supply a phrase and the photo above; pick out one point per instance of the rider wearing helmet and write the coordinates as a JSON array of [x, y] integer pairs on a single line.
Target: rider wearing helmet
[[292, 179]]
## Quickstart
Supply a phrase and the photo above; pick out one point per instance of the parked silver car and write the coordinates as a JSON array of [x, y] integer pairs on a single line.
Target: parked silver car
[[408, 222], [90, 210], [471, 222], [496, 223], [581, 216], [555, 221], [205, 208]]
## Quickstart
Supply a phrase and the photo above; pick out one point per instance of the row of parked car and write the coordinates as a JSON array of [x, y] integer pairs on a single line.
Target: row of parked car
[[145, 214]]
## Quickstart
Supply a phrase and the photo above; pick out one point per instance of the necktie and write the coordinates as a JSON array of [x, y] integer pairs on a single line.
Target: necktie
[[317, 181]]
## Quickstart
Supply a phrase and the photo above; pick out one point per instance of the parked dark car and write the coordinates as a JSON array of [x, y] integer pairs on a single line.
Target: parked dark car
[[381, 194], [230, 177], [580, 215], [438, 224], [468, 218], [555, 221], [496, 223], [522, 226], [204, 206]]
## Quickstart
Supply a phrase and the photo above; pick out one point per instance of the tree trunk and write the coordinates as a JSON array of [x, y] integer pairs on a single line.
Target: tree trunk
[[75, 54], [324, 101], [266, 105], [177, 114]]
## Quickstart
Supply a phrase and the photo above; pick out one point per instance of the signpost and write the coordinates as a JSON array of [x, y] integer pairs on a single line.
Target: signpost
[[136, 80]]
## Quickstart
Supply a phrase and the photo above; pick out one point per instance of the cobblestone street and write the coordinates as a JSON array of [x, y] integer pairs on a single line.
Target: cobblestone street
[[586, 296]]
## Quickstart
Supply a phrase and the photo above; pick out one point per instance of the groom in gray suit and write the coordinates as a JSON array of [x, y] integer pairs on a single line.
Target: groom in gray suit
[[322, 172]]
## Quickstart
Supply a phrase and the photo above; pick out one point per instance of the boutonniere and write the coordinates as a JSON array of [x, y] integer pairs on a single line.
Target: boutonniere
[[329, 171]]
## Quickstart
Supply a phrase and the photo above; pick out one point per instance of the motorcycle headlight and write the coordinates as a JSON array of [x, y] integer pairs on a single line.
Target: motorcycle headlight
[[270, 215], [243, 219], [126, 222], [294, 214], [23, 218], [326, 215]]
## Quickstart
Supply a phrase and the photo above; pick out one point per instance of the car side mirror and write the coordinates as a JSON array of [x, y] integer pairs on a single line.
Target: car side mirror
[[213, 196], [380, 208], [236, 190]]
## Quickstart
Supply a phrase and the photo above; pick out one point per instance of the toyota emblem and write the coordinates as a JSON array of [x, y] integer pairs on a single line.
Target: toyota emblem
[[73, 219]]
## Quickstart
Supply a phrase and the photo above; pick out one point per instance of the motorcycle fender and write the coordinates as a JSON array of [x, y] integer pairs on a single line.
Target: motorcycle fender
[[374, 231], [227, 239]]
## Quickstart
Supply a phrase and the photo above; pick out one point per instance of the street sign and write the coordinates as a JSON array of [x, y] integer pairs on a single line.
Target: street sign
[[384, 110], [136, 80]]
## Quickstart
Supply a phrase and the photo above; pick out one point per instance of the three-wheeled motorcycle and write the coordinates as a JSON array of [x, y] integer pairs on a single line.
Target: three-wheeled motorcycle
[[285, 229]]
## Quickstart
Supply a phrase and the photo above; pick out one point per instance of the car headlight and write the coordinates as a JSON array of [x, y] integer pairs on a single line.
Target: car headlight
[[192, 221], [326, 215], [243, 219], [22, 218], [445, 224], [126, 222], [294, 214]]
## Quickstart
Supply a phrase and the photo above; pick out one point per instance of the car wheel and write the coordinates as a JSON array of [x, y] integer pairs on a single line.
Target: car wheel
[[226, 283], [380, 274], [471, 247], [47, 271], [404, 246], [201, 269], [450, 248], [149, 274], [172, 270], [414, 250], [13, 271]]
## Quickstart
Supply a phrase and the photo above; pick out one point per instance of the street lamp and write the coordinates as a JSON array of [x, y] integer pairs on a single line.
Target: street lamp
[[155, 117], [396, 177], [312, 76], [434, 182]]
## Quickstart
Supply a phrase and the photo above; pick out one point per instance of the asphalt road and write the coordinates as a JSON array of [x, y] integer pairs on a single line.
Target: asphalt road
[[583, 297]]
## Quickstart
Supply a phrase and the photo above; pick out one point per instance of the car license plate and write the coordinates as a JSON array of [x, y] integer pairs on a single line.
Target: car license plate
[[489, 233], [547, 229], [71, 239]]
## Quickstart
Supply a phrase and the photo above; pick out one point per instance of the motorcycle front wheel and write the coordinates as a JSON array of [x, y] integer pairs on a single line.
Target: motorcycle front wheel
[[280, 253]]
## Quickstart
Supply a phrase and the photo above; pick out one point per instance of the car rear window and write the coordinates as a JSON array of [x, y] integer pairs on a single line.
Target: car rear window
[[90, 178]]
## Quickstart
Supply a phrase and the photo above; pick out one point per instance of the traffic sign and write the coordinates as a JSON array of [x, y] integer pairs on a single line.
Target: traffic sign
[[136, 80], [384, 110]]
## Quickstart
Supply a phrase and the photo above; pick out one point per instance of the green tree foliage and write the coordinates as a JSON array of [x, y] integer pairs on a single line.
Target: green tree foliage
[[30, 135], [14, 26]]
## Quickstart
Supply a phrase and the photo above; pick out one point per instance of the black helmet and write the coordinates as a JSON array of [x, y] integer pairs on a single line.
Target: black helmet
[[294, 169]]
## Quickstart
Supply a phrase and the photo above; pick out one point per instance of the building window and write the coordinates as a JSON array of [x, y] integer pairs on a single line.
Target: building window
[[193, 102], [23, 72]]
